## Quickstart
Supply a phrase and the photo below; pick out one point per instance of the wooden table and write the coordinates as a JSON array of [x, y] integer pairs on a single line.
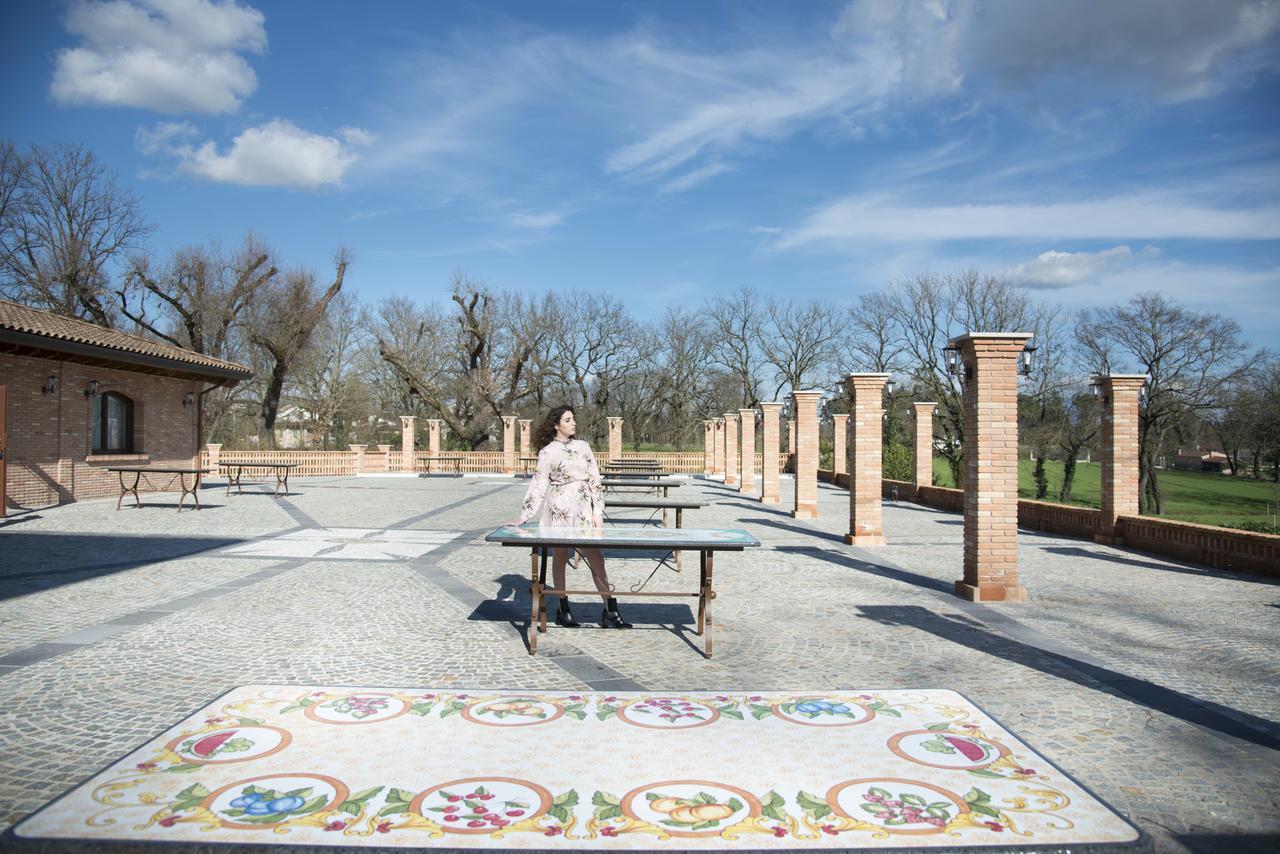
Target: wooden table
[[633, 473], [140, 474], [663, 483], [527, 463], [280, 470], [707, 541], [456, 460]]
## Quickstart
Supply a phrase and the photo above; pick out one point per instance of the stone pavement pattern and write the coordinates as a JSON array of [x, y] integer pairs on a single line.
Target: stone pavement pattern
[[1153, 683]]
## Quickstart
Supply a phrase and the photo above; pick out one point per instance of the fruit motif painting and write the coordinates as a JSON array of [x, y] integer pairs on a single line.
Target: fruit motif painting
[[482, 805], [273, 799], [667, 713], [940, 748], [230, 744], [516, 711], [689, 807], [359, 708], [820, 711]]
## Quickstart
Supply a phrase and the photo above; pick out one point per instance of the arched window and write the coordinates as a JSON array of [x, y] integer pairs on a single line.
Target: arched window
[[112, 424]]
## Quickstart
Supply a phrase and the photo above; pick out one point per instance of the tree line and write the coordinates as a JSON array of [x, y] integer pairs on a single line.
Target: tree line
[[336, 370]]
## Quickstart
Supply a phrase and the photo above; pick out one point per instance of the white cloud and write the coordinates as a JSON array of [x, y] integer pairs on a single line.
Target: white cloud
[[276, 154], [1147, 216], [547, 219], [172, 56], [357, 136], [1174, 50], [1054, 269], [693, 178]]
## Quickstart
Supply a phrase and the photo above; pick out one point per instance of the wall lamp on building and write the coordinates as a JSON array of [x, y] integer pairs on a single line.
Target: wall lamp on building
[[188, 398], [92, 390], [50, 385]]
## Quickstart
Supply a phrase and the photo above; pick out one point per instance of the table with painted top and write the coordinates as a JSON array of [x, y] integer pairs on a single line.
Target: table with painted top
[[654, 503], [542, 539], [140, 473]]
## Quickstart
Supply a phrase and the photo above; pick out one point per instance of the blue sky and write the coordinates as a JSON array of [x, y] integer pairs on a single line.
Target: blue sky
[[665, 152]]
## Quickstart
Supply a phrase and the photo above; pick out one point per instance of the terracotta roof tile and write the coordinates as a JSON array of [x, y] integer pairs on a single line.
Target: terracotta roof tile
[[21, 318]]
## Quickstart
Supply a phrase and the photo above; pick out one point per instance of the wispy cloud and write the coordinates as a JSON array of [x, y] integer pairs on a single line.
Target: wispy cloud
[[1146, 216], [535, 221], [172, 57], [1054, 269]]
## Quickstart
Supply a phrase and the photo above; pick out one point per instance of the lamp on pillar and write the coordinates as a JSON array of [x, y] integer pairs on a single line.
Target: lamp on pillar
[[1027, 360], [951, 359]]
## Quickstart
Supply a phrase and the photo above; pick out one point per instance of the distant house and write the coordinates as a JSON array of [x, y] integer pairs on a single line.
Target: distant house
[[76, 397], [1199, 460]]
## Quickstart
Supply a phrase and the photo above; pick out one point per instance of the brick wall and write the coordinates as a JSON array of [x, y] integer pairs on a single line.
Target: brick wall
[[805, 405], [50, 434], [1222, 548]]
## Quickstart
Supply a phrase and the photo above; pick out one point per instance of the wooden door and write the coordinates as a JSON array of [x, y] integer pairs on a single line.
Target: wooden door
[[2, 448]]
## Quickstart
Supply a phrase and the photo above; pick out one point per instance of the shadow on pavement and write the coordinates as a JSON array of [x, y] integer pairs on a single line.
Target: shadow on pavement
[[796, 529], [870, 568], [1184, 568], [33, 562], [975, 635]]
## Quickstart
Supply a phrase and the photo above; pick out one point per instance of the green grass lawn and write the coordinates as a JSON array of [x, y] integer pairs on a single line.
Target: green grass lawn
[[1209, 499]]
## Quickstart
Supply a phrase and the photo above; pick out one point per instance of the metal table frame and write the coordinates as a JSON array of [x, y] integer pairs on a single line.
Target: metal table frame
[[456, 460], [277, 469], [140, 474]]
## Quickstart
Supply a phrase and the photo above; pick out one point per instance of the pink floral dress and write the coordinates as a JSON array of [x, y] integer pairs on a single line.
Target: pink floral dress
[[566, 485]]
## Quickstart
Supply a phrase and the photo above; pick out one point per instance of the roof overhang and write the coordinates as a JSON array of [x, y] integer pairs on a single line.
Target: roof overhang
[[30, 344]]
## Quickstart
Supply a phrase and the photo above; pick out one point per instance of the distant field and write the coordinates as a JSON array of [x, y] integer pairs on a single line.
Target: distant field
[[1209, 499]]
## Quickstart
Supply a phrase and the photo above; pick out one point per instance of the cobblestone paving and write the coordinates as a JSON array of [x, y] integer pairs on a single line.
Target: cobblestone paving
[[1154, 683]]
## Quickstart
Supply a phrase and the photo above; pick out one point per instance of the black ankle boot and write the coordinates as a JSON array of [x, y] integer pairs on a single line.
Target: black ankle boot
[[611, 619], [563, 616]]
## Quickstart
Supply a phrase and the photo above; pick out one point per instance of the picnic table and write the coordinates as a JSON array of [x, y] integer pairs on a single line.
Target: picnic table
[[456, 460], [527, 463], [175, 472], [633, 473], [541, 539], [633, 465], [235, 469], [663, 483]]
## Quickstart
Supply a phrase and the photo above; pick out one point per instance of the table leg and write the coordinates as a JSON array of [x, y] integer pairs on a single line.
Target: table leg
[[195, 491], [679, 524], [182, 485], [702, 590], [535, 596], [710, 593]]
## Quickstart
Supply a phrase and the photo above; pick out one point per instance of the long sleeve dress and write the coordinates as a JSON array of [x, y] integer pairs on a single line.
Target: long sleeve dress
[[566, 485]]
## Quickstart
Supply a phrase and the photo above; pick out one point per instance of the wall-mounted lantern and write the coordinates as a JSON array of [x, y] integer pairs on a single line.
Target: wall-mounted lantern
[[50, 385]]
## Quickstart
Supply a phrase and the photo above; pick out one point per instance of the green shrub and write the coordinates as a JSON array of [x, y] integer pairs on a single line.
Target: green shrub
[[1257, 526], [897, 461]]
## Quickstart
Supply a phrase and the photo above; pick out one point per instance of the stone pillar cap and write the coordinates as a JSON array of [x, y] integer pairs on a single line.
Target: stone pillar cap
[[1142, 377], [975, 336], [866, 375], [817, 392], [776, 403], [744, 410]]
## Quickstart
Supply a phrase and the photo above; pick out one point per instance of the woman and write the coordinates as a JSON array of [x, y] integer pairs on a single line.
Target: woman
[[566, 486]]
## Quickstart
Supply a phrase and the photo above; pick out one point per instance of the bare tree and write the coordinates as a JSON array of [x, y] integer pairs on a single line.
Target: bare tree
[[471, 368], [1187, 355], [64, 223], [325, 382], [799, 343], [737, 322], [871, 342], [282, 328]]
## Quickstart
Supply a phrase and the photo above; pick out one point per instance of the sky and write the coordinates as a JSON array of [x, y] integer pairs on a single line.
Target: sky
[[670, 152]]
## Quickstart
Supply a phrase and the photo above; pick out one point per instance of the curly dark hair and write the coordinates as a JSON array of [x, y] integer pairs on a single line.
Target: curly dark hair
[[546, 432]]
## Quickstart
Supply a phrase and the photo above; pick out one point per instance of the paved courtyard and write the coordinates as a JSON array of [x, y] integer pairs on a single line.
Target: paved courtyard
[[1154, 683]]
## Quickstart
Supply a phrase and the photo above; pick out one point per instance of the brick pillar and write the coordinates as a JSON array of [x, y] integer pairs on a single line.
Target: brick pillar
[[407, 429], [990, 404], [1120, 394], [508, 444], [747, 449], [526, 436], [730, 449], [708, 447], [214, 452], [385, 463], [922, 456], [615, 438], [359, 452], [839, 454], [866, 458], [717, 459], [805, 406], [770, 464], [433, 441]]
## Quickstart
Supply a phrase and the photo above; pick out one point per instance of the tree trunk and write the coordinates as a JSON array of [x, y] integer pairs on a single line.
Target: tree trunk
[[1068, 475]]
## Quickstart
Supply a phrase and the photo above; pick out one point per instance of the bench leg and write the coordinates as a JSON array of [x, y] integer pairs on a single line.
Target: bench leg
[[702, 591]]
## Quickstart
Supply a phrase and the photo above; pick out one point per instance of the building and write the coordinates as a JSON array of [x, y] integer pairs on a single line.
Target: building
[[76, 397]]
